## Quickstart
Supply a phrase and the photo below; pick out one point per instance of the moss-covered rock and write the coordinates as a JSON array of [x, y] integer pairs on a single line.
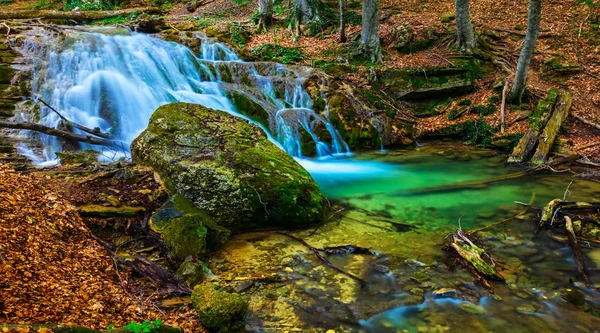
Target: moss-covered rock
[[192, 271], [227, 168], [86, 156], [219, 311], [186, 230]]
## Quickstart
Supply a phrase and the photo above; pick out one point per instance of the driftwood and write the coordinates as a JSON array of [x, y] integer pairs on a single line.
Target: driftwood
[[324, 260], [576, 251], [77, 16], [161, 277], [58, 133], [471, 257]]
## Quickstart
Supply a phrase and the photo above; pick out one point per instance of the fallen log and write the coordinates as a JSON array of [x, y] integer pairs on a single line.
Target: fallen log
[[550, 211], [58, 133], [77, 16], [546, 138], [526, 146], [471, 253]]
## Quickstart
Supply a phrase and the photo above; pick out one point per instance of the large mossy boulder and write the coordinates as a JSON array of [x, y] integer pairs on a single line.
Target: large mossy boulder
[[227, 168]]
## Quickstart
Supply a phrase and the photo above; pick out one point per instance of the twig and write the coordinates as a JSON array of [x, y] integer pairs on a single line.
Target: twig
[[576, 251], [469, 233], [439, 56], [587, 122], [324, 260]]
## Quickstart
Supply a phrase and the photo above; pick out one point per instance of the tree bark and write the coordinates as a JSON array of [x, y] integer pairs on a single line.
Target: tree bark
[[265, 10], [464, 28], [304, 12], [370, 44], [342, 23], [533, 30], [58, 133], [78, 16]]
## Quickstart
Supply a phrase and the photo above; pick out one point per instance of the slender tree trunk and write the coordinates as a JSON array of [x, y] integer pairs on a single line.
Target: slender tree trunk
[[342, 23], [265, 10], [370, 44], [464, 29], [533, 30]]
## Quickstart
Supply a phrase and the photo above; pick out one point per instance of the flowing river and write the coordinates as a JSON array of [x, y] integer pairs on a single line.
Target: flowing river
[[389, 202]]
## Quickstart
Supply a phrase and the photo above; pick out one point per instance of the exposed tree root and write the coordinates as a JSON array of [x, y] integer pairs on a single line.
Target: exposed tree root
[[76, 16]]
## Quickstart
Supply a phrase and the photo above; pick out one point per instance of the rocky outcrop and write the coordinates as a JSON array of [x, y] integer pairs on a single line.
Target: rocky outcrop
[[227, 168], [427, 83]]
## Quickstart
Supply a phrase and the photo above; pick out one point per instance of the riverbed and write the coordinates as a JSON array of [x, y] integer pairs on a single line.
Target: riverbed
[[394, 203]]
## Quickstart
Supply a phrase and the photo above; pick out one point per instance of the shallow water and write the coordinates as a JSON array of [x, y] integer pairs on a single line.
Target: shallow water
[[375, 204]]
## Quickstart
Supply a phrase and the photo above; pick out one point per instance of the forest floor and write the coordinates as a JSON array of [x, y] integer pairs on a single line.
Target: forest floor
[[53, 271], [570, 33]]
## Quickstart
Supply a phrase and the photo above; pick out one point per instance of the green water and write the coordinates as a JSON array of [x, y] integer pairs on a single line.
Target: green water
[[376, 201]]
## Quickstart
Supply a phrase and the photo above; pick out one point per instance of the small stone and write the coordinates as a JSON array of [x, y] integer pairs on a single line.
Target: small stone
[[427, 285], [417, 291], [472, 308], [420, 277], [526, 309], [381, 269], [330, 331], [497, 298], [523, 295], [243, 286], [288, 269], [444, 293]]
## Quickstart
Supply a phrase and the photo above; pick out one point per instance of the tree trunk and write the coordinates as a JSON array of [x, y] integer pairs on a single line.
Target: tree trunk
[[533, 30], [370, 45], [77, 16], [342, 23], [464, 29], [304, 12], [265, 10]]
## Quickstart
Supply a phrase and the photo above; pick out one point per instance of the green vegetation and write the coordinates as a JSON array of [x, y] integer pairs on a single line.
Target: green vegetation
[[145, 327], [90, 4], [282, 54], [478, 132], [239, 35]]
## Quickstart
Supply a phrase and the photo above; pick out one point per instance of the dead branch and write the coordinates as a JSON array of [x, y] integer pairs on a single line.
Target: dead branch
[[96, 131], [587, 122], [324, 260], [576, 251], [58, 133], [521, 213], [158, 275]]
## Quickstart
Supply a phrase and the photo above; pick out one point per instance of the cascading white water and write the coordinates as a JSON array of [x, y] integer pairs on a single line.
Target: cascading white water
[[114, 80]]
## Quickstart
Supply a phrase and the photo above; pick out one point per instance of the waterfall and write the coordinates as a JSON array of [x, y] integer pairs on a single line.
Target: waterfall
[[113, 80]]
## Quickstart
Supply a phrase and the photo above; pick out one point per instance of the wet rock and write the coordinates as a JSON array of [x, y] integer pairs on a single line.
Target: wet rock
[[400, 36], [243, 286], [227, 168], [149, 25], [526, 309], [445, 293], [86, 156], [191, 271], [186, 230], [472, 308], [574, 297], [219, 311], [420, 277], [417, 291]]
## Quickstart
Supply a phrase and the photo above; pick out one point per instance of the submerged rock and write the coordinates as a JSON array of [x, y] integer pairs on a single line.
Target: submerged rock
[[227, 168], [219, 311]]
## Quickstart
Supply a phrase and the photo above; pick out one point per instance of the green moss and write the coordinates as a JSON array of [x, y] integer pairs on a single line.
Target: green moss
[[478, 132], [227, 168], [219, 311], [87, 156], [543, 109], [278, 53], [465, 102], [484, 110]]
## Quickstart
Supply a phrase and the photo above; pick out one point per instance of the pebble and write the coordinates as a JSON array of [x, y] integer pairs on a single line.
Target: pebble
[[444, 293], [420, 277], [243, 286], [472, 308], [288, 269], [526, 309], [417, 291]]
